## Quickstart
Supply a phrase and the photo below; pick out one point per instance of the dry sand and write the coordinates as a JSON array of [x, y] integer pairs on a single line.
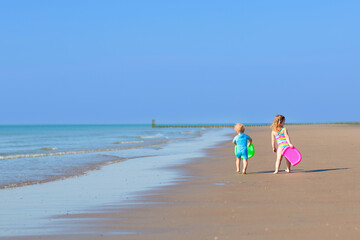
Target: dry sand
[[320, 199]]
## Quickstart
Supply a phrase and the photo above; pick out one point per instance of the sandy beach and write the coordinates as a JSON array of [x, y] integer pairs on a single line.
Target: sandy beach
[[320, 199]]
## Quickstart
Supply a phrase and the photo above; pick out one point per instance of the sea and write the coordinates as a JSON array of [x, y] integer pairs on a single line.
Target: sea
[[49, 171]]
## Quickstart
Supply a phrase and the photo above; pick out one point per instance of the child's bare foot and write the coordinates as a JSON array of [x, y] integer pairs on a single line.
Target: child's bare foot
[[276, 172], [238, 171], [243, 173], [287, 170]]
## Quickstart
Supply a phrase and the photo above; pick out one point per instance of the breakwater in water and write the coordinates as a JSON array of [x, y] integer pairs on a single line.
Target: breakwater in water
[[230, 125]]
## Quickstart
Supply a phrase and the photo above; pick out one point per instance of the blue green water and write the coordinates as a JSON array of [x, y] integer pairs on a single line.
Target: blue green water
[[99, 166], [32, 154]]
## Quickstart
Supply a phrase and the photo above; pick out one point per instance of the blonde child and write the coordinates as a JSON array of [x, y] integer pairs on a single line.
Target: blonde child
[[280, 135], [241, 140]]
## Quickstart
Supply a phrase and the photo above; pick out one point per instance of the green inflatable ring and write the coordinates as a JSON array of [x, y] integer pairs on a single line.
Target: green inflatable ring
[[250, 149]]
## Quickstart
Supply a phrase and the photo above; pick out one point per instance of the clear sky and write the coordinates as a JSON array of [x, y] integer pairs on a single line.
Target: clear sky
[[188, 61]]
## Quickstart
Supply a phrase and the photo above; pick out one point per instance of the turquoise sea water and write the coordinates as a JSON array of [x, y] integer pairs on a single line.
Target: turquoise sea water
[[32, 154], [48, 172]]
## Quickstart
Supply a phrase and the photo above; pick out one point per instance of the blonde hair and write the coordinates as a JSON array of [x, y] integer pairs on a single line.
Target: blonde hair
[[278, 120], [239, 127]]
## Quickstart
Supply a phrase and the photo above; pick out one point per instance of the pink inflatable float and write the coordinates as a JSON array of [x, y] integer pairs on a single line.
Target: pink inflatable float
[[292, 155]]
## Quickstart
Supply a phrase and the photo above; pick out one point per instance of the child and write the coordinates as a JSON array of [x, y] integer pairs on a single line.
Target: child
[[241, 140], [280, 134]]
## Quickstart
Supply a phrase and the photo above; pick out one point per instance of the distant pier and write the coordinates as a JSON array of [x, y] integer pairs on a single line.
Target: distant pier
[[225, 125], [231, 125]]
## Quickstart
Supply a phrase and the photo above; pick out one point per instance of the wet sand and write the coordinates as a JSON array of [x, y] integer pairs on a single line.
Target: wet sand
[[320, 199]]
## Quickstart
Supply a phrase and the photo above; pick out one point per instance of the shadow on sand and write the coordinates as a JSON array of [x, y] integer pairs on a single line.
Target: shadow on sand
[[323, 170], [305, 171]]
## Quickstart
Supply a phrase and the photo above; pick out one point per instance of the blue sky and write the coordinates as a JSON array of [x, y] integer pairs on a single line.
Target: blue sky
[[179, 61]]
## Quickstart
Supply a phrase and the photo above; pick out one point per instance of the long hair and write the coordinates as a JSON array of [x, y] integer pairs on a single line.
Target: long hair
[[277, 122]]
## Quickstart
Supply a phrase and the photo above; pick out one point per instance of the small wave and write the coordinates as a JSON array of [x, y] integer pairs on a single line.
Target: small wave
[[75, 172], [33, 155], [49, 148], [187, 132], [56, 153], [129, 142], [153, 136]]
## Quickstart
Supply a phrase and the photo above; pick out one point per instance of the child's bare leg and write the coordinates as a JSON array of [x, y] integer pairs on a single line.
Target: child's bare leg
[[237, 164], [288, 165], [278, 161], [245, 163]]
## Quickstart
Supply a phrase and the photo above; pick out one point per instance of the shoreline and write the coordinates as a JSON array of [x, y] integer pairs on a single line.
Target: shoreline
[[319, 199], [37, 209], [75, 150]]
